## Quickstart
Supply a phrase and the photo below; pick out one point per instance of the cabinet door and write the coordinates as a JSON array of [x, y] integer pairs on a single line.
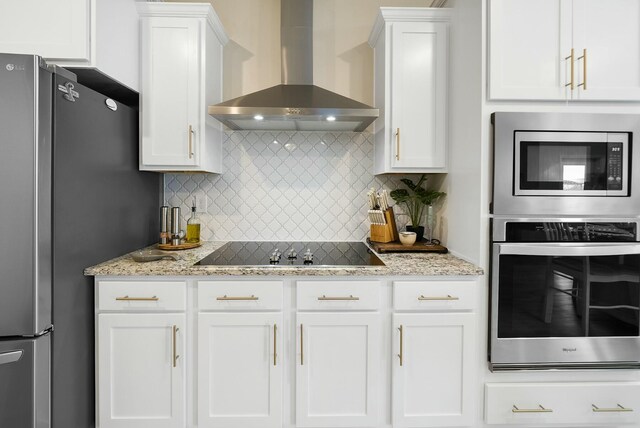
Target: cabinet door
[[528, 43], [170, 92], [419, 96], [337, 370], [240, 367], [432, 375], [610, 33], [141, 370], [52, 29]]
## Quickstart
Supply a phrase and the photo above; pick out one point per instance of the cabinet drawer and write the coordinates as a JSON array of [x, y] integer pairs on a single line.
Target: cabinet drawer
[[239, 295], [601, 403], [338, 295], [433, 295], [142, 295]]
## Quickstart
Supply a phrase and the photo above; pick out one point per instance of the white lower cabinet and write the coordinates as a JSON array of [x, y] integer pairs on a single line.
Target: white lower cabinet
[[141, 370], [240, 368], [574, 403], [432, 384], [338, 366]]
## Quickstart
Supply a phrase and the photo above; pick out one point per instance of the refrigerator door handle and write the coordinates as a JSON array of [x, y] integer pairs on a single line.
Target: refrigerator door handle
[[10, 357]]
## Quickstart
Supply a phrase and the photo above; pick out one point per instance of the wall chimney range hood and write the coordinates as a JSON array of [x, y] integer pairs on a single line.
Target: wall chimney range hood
[[296, 104]]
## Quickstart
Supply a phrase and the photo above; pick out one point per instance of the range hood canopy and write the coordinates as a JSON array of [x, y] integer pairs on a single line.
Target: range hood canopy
[[297, 104]]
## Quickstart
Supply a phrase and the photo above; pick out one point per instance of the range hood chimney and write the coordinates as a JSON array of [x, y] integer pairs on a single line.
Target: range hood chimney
[[297, 104]]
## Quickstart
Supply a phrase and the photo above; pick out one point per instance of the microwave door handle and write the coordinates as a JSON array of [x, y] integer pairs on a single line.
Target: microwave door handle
[[568, 250]]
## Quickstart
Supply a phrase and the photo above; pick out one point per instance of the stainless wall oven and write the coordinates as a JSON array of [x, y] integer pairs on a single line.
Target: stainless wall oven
[[565, 164], [565, 293]]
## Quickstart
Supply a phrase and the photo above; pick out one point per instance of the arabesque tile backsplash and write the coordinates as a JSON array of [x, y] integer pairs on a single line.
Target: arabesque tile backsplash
[[285, 185]]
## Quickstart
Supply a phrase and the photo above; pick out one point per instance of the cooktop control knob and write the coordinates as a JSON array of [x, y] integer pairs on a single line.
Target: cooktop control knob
[[308, 257], [275, 257], [292, 254]]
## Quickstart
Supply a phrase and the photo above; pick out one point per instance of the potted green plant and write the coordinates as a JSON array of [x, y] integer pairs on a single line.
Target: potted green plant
[[414, 200]]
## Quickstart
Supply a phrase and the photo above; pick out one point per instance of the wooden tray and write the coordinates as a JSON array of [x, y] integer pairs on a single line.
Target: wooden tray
[[183, 246], [397, 247]]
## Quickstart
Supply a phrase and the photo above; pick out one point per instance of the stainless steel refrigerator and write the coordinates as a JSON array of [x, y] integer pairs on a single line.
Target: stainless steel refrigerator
[[71, 196]]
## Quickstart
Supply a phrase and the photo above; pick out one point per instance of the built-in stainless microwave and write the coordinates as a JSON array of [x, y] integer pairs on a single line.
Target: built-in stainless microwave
[[565, 164]]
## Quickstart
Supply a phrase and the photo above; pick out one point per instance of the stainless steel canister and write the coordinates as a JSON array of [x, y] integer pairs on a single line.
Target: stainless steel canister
[[175, 226], [164, 225]]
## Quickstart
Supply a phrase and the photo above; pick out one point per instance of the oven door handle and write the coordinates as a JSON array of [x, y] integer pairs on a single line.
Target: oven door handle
[[568, 250]]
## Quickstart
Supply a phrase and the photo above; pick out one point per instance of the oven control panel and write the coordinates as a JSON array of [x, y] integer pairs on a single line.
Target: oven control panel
[[614, 166], [571, 232]]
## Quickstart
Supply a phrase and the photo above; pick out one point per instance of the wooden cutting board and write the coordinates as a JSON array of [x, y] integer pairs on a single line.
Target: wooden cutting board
[[397, 247]]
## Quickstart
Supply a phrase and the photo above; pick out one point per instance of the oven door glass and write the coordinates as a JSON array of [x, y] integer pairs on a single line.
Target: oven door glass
[[568, 291], [569, 164]]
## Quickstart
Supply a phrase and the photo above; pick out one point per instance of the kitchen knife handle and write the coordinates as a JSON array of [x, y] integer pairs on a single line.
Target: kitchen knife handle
[[397, 143], [190, 142], [175, 345]]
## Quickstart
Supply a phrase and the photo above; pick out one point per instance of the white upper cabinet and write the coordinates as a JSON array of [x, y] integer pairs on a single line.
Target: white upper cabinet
[[564, 50], [410, 73], [181, 75], [77, 33]]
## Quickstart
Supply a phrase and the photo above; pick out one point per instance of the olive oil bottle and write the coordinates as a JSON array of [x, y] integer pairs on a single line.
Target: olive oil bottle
[[193, 226]]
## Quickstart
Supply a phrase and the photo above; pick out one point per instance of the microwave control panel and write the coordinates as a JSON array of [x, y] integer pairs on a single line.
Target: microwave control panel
[[614, 166]]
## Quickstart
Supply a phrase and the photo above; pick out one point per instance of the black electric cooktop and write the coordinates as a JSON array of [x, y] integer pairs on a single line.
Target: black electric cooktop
[[282, 253]]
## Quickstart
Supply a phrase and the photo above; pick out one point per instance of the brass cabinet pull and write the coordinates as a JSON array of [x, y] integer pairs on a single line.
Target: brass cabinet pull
[[571, 57], [584, 69], [301, 345], [620, 408], [275, 353], [539, 409], [190, 142], [175, 346], [225, 297], [350, 297], [400, 329], [447, 297], [138, 299], [397, 143]]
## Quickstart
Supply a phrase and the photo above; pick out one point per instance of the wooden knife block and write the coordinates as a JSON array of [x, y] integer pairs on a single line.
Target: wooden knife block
[[385, 232]]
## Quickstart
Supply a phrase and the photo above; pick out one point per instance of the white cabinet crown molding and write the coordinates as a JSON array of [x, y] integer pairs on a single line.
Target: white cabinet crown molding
[[406, 14], [186, 10]]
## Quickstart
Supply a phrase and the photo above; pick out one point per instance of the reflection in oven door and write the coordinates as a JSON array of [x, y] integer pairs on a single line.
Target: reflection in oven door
[[561, 304]]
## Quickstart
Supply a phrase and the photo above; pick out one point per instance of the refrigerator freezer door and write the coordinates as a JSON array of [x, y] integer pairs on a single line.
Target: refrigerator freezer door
[[25, 196], [103, 208], [24, 383]]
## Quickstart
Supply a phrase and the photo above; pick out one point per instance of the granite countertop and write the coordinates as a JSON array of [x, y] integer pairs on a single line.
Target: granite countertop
[[397, 264]]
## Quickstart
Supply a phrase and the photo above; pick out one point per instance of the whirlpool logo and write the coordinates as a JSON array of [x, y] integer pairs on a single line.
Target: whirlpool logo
[[569, 349]]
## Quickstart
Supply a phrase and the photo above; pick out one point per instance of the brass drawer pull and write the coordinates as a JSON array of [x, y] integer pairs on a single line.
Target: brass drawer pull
[[190, 142], [400, 355], [275, 352], [571, 57], [350, 297], [540, 409], [225, 297], [175, 346], [584, 69], [620, 408], [138, 299], [398, 144], [447, 297], [301, 345]]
